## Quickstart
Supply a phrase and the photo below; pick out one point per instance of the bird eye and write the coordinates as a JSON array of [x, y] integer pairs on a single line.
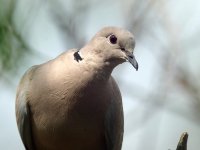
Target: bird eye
[[113, 39]]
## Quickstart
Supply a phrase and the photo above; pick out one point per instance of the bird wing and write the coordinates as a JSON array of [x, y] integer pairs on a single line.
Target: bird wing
[[114, 121], [23, 113]]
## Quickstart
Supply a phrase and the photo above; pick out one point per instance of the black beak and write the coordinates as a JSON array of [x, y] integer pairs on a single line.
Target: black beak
[[132, 60]]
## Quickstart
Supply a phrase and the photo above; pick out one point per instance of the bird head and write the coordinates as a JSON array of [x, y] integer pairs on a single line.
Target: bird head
[[112, 46]]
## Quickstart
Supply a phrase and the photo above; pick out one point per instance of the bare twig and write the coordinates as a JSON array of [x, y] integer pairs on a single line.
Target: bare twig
[[182, 144]]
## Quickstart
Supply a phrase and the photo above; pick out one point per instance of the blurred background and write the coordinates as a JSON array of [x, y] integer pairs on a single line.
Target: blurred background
[[161, 100]]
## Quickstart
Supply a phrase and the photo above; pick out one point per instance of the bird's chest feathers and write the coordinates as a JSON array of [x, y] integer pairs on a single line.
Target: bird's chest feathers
[[85, 87], [78, 86], [74, 99]]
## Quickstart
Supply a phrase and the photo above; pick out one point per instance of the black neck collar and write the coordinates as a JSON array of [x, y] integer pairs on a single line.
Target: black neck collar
[[77, 56]]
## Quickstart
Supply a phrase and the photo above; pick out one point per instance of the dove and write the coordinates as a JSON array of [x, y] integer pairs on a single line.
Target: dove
[[72, 102]]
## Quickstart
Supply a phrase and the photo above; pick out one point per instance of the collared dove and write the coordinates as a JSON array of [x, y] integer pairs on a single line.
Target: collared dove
[[72, 102]]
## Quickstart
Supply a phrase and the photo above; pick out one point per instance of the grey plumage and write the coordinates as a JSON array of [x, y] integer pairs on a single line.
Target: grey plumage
[[72, 102]]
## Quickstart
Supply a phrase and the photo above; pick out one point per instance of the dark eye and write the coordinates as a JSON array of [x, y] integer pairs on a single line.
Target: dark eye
[[113, 39]]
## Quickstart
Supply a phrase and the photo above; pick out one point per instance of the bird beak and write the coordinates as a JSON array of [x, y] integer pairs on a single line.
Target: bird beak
[[131, 58]]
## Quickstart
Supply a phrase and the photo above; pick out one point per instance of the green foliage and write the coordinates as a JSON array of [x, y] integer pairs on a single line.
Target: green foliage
[[12, 45]]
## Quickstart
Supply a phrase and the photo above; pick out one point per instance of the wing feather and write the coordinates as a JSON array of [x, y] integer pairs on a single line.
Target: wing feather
[[114, 121], [23, 113]]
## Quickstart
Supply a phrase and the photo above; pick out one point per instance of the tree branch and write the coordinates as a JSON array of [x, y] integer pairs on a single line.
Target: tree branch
[[182, 144]]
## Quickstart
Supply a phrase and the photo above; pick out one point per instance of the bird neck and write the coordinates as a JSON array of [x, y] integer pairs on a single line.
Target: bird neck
[[94, 63], [99, 70]]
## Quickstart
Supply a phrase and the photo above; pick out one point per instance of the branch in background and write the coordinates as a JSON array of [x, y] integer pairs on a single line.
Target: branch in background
[[187, 80], [71, 21]]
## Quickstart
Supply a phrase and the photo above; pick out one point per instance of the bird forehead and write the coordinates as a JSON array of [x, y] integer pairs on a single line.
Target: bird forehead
[[124, 37], [120, 32], [127, 41]]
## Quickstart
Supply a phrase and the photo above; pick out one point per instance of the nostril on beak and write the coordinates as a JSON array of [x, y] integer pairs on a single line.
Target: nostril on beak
[[131, 56], [123, 49]]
